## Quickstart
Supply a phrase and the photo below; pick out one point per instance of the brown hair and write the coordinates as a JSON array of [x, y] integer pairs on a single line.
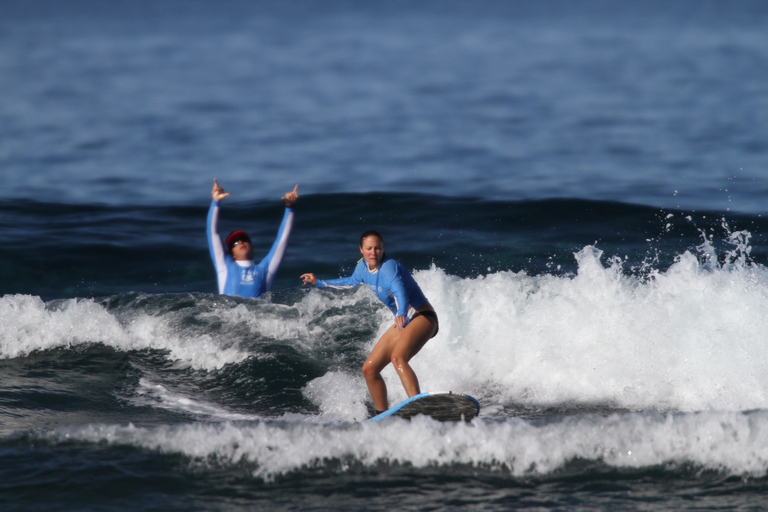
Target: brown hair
[[370, 232]]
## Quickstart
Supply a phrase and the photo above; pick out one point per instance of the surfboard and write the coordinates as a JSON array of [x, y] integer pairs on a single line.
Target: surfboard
[[439, 405]]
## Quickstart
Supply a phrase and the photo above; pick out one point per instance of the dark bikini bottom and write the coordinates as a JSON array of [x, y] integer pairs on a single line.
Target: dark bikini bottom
[[431, 315]]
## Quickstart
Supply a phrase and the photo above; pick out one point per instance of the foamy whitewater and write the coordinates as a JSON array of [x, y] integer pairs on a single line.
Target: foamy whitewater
[[578, 187], [647, 368], [730, 442]]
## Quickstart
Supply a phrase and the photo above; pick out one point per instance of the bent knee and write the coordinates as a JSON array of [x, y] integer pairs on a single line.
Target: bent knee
[[369, 370], [399, 360]]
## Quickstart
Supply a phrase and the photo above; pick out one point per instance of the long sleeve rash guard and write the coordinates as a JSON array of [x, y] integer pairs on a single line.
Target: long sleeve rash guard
[[246, 278], [391, 283]]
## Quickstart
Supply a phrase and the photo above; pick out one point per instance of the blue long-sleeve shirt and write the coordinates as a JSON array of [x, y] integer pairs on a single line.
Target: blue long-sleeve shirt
[[391, 283], [246, 278]]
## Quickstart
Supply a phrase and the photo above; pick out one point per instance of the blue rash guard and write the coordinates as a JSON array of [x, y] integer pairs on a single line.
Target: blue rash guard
[[392, 284], [246, 278]]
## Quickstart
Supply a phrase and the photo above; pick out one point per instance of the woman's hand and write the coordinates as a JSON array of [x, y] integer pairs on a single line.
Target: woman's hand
[[291, 197], [218, 193], [309, 278], [399, 322]]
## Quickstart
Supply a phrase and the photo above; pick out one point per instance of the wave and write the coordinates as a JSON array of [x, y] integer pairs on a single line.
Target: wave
[[730, 443], [32, 325], [104, 251], [689, 338]]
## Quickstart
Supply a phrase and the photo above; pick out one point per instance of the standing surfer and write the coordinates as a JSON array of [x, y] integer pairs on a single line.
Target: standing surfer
[[415, 319], [236, 271]]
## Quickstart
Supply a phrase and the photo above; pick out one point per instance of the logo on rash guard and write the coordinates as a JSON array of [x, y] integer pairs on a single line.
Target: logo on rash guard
[[247, 276]]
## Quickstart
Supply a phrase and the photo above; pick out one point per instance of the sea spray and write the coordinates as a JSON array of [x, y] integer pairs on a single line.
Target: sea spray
[[690, 338]]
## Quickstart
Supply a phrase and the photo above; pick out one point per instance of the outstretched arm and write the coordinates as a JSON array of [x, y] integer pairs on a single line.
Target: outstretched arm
[[275, 256], [343, 282], [215, 245]]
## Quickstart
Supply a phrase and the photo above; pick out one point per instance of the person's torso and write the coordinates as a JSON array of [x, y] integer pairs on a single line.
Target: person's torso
[[245, 281], [381, 284]]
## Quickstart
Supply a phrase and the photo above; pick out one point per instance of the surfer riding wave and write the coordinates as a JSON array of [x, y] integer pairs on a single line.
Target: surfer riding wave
[[415, 319]]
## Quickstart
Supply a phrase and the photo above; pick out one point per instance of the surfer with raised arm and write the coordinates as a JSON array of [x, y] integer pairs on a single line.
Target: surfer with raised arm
[[415, 319], [236, 271]]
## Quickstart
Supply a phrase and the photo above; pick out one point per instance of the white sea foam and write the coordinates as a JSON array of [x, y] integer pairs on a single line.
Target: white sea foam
[[730, 442], [340, 396], [693, 337], [690, 338], [28, 325]]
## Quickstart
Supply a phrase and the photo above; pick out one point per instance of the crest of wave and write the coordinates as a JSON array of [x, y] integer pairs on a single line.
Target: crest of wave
[[692, 337], [30, 325]]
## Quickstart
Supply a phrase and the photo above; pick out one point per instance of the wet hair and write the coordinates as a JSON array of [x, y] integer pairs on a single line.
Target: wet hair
[[371, 232]]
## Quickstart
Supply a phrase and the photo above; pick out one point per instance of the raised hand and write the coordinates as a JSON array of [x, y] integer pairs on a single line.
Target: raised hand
[[291, 197], [218, 193]]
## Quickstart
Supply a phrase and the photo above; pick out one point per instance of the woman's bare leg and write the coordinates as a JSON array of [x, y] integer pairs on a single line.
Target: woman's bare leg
[[380, 357], [412, 339], [398, 347]]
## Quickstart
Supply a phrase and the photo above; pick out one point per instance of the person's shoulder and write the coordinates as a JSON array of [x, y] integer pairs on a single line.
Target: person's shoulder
[[359, 267], [389, 262], [391, 266]]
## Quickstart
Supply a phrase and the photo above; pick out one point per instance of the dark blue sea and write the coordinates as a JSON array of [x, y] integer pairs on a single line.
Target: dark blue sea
[[579, 188]]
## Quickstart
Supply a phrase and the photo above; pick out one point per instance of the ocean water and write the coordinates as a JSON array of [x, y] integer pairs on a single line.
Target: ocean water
[[576, 186]]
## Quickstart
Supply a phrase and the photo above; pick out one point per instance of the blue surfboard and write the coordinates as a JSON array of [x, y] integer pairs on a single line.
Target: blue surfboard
[[439, 405]]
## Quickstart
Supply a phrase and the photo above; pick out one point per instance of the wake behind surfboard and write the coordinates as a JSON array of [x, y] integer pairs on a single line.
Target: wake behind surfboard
[[440, 405]]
